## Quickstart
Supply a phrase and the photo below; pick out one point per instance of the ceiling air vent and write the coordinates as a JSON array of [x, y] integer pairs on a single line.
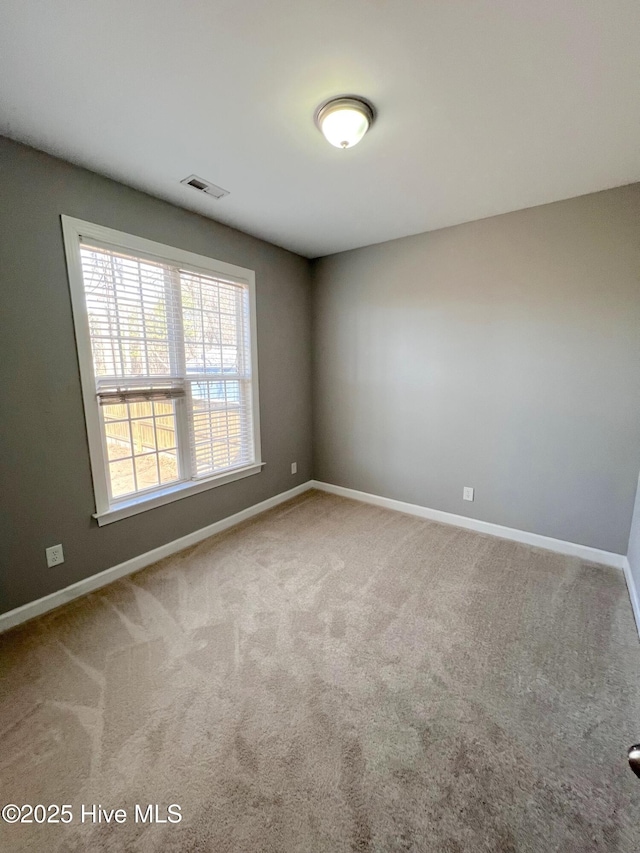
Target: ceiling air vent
[[204, 186]]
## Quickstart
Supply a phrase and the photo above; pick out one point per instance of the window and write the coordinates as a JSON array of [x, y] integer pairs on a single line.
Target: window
[[166, 345]]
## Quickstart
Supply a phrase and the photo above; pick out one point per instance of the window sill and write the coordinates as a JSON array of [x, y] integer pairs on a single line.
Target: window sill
[[172, 493]]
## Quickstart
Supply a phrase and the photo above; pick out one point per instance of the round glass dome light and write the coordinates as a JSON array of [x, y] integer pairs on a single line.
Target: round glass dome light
[[344, 121]]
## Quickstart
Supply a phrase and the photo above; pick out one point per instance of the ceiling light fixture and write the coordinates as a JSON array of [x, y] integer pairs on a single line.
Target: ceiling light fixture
[[344, 121]]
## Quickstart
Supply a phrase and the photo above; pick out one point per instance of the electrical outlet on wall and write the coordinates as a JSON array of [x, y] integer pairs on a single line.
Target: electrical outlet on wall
[[294, 467], [467, 493], [55, 555]]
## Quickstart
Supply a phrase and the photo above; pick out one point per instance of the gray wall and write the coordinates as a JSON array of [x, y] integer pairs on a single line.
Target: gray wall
[[502, 354], [46, 495]]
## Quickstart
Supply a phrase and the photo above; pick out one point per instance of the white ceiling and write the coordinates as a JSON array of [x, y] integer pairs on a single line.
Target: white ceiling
[[485, 106]]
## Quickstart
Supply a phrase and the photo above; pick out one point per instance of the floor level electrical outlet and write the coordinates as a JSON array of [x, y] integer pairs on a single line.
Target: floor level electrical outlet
[[55, 555], [467, 493], [294, 467]]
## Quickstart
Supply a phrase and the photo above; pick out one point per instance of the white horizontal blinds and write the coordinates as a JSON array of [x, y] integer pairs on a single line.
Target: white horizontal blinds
[[131, 321], [215, 315], [160, 333]]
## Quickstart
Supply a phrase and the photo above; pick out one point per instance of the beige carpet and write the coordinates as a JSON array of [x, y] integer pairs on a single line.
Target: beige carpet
[[332, 677]]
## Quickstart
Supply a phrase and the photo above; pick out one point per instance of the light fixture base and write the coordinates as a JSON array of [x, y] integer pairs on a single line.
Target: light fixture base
[[353, 103]]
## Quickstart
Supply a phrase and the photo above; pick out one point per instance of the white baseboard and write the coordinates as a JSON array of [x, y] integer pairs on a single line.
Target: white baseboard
[[62, 596], [572, 549], [633, 592], [50, 602]]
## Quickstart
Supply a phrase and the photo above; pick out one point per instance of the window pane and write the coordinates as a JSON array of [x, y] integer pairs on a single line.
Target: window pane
[[151, 440], [141, 409], [121, 475], [168, 466], [118, 445], [162, 407], [115, 413], [117, 432], [165, 421], [147, 471], [143, 435], [166, 433]]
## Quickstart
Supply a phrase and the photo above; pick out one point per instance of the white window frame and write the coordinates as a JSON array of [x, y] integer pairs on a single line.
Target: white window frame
[[76, 230]]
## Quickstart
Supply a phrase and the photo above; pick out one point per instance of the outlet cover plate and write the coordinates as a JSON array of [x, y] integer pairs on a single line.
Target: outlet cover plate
[[55, 555], [467, 493]]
